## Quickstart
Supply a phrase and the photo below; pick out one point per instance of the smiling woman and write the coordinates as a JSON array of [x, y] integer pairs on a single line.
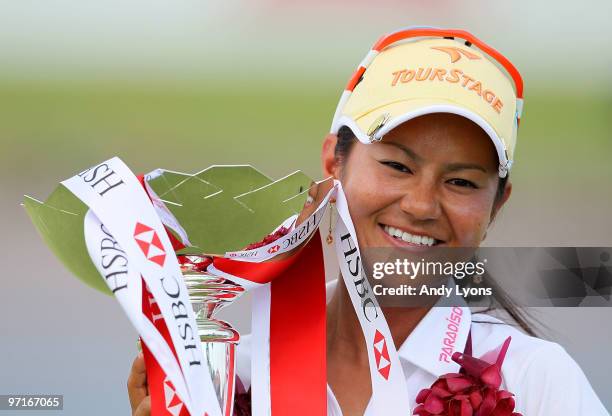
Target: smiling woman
[[440, 168], [424, 163]]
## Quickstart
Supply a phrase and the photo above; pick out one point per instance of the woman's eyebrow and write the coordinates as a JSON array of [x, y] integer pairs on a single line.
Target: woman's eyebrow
[[452, 167], [406, 150]]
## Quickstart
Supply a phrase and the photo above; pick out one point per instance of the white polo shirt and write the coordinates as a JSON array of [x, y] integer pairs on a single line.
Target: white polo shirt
[[545, 380]]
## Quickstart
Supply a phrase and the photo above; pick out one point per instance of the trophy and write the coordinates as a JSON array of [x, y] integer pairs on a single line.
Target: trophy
[[218, 210], [208, 294]]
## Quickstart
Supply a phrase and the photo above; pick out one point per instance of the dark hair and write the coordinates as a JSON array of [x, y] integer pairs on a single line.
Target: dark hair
[[501, 300]]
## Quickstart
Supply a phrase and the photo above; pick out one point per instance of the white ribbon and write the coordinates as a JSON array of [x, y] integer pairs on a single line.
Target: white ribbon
[[389, 389], [125, 283], [117, 199]]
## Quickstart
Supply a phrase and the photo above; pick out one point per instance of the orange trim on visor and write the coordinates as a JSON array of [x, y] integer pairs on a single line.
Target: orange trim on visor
[[355, 78], [387, 40], [390, 39]]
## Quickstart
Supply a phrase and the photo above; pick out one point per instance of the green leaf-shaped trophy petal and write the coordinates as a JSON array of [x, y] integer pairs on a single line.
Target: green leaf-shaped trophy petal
[[60, 223]]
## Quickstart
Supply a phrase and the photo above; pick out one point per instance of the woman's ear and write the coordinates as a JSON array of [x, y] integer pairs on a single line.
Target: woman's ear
[[329, 164], [502, 201]]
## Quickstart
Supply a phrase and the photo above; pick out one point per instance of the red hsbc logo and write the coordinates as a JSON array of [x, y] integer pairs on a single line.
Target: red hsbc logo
[[273, 249], [174, 405], [150, 244], [383, 362]]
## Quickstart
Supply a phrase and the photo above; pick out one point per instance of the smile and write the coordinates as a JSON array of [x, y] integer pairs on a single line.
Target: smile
[[420, 240]]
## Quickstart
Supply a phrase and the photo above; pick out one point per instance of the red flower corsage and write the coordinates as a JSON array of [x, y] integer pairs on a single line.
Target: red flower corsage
[[473, 391]]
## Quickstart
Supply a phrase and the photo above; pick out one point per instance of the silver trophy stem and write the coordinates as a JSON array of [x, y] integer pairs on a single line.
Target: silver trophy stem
[[208, 294]]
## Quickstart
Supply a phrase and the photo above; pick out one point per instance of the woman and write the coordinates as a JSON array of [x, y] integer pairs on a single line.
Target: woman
[[422, 143]]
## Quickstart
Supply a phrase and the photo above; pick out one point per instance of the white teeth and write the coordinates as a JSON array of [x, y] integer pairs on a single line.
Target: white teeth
[[409, 238]]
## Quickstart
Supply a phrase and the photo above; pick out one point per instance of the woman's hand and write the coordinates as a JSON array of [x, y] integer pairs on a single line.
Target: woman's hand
[[316, 193], [137, 388]]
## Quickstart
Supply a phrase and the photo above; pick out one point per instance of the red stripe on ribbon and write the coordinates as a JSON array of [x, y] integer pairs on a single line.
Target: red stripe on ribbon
[[298, 375]]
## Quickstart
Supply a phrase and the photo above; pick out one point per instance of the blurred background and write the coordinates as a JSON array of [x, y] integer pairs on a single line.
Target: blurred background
[[185, 84]]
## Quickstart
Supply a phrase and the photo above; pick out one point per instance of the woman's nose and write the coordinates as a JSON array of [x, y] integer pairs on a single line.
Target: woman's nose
[[421, 201]]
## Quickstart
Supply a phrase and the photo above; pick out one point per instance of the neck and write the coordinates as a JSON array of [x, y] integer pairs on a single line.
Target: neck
[[344, 335]]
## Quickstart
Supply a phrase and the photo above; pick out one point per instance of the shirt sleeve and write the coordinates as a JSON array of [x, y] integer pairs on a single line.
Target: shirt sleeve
[[554, 384]]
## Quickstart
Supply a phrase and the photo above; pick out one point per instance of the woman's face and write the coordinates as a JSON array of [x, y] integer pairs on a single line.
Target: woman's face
[[431, 181]]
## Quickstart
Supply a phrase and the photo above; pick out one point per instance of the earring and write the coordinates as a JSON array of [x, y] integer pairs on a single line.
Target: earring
[[330, 237]]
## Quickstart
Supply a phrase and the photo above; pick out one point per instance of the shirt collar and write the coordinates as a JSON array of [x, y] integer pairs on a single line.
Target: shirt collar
[[442, 331]]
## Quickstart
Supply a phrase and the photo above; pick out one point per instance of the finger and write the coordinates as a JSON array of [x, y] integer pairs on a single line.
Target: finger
[[144, 409], [316, 194], [325, 186], [137, 382], [310, 205]]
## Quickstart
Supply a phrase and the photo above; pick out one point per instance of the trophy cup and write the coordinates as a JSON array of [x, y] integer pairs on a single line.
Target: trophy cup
[[208, 294], [218, 210]]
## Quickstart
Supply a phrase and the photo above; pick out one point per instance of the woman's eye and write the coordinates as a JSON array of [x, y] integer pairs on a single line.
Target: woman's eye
[[464, 183], [397, 166]]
